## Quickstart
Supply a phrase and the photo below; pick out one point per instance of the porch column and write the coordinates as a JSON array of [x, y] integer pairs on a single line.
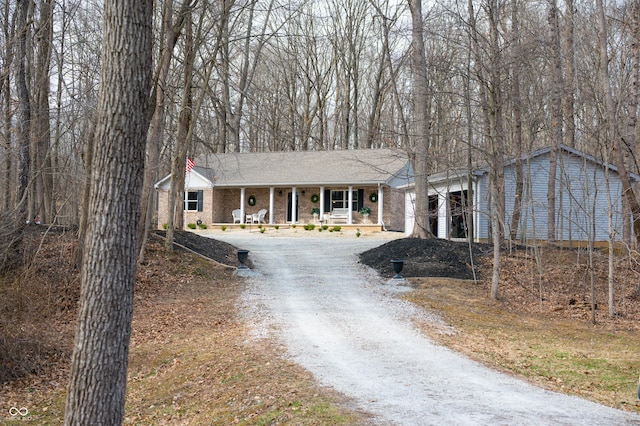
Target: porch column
[[294, 198], [242, 215], [380, 204], [321, 202], [350, 198], [272, 192], [443, 214], [476, 210]]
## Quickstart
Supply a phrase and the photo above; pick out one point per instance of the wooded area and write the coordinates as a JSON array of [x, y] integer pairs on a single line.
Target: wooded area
[[455, 83], [499, 78]]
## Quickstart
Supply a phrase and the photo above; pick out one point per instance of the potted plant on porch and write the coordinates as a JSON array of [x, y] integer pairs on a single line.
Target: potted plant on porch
[[365, 211], [315, 212]]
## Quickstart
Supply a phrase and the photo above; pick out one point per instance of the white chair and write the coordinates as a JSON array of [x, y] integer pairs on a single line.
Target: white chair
[[237, 215], [259, 217]]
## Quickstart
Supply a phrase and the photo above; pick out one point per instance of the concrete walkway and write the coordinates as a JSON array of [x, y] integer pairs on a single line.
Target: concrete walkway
[[341, 321]]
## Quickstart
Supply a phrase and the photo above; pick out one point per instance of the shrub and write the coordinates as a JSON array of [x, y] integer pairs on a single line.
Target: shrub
[[191, 225], [309, 227], [336, 228], [325, 227], [294, 226], [277, 226], [223, 228], [358, 233], [262, 230], [242, 226], [165, 226], [203, 226]]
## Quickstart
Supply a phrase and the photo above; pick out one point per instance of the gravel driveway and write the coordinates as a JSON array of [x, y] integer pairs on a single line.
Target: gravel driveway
[[341, 321]]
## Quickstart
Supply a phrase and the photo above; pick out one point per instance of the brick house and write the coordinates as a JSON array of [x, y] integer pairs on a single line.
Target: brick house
[[290, 184]]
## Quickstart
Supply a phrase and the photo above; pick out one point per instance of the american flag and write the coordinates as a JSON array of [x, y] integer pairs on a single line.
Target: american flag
[[190, 165]]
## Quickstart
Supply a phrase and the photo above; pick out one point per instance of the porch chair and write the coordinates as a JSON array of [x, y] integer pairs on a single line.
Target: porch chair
[[259, 217], [236, 215]]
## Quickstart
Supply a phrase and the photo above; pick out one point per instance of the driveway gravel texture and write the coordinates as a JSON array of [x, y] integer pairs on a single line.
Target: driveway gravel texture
[[341, 321]]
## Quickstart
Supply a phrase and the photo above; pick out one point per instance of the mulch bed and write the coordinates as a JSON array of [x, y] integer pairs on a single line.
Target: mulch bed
[[428, 258]]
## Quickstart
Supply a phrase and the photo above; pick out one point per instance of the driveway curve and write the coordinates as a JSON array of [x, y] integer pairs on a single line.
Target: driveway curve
[[341, 321]]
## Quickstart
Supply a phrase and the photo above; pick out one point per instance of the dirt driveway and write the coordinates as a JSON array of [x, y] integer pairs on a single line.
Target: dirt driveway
[[341, 321]]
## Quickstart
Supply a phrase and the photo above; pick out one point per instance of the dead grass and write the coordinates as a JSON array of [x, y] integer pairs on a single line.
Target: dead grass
[[566, 355], [192, 361]]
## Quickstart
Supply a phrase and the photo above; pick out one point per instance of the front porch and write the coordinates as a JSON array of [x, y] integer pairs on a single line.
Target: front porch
[[271, 228]]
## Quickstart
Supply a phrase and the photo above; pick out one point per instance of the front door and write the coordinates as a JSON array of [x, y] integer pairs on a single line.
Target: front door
[[289, 197]]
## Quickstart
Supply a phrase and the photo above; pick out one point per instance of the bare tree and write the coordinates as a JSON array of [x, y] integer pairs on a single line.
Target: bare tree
[[176, 191], [24, 114], [42, 201], [516, 102], [556, 117], [99, 360], [420, 155], [170, 33], [7, 113], [613, 135]]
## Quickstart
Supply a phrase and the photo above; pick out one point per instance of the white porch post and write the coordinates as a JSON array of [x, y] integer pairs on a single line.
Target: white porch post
[[242, 216], [321, 202], [272, 192], [443, 216], [476, 209], [380, 204], [294, 197], [350, 198]]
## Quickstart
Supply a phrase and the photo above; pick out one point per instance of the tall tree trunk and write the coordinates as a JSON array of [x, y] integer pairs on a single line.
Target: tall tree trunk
[[7, 116], [171, 32], [42, 117], [422, 104], [24, 109], [613, 136], [176, 192], [99, 361], [518, 198], [493, 115], [569, 53], [632, 135], [556, 119]]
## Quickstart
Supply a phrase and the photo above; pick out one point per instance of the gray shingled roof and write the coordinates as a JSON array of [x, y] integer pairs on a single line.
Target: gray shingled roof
[[298, 168]]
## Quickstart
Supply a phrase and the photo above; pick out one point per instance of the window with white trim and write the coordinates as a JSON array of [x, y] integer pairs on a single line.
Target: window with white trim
[[193, 201], [340, 199]]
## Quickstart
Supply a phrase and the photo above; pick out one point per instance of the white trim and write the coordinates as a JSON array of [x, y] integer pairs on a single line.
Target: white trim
[[242, 216], [272, 192], [380, 204], [350, 198], [294, 198]]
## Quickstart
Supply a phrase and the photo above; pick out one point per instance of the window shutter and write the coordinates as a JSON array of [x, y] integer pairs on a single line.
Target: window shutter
[[327, 200], [200, 199], [360, 199]]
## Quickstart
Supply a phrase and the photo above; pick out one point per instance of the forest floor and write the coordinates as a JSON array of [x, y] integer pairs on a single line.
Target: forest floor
[[193, 360]]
